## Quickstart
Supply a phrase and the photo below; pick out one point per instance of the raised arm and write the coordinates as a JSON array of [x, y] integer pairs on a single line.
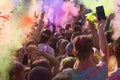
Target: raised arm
[[40, 24], [36, 35], [95, 35], [54, 61], [103, 41]]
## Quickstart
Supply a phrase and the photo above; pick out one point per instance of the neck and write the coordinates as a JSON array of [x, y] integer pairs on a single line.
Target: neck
[[81, 65]]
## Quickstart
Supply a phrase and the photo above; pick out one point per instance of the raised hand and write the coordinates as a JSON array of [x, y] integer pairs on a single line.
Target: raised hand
[[111, 16], [102, 24], [103, 41]]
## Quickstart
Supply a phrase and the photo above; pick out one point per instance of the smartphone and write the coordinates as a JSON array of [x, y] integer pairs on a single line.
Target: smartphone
[[100, 13]]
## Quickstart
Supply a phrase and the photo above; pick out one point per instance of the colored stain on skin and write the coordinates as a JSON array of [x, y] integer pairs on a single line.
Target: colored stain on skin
[[6, 17], [26, 20]]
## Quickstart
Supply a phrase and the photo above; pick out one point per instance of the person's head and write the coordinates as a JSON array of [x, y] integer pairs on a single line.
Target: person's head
[[77, 28], [39, 73], [83, 47], [23, 55], [62, 45], [32, 49], [54, 40], [45, 35], [70, 49], [30, 42], [67, 63], [67, 26], [62, 76], [17, 71], [57, 35], [42, 63], [75, 34]]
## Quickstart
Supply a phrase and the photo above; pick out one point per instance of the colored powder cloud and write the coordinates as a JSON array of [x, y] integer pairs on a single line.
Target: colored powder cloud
[[10, 41], [108, 5], [15, 19], [58, 11]]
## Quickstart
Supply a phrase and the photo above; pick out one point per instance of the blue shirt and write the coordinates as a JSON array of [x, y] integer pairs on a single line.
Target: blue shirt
[[115, 75], [92, 73]]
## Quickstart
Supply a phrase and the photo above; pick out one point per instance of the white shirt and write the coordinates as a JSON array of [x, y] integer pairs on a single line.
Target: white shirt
[[46, 48]]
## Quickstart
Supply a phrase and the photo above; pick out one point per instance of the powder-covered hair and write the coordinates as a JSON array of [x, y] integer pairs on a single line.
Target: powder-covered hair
[[83, 46]]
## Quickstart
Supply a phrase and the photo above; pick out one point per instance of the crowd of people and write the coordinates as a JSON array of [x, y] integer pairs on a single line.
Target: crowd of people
[[79, 51]]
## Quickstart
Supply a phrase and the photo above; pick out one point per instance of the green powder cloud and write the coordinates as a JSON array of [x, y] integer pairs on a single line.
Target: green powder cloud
[[10, 41]]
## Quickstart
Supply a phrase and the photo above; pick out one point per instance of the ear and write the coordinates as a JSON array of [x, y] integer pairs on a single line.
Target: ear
[[75, 52]]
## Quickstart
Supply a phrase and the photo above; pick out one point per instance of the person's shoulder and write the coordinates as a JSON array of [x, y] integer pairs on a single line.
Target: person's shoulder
[[64, 75], [92, 73], [50, 48], [102, 65], [102, 68], [68, 70], [101, 71], [115, 75], [41, 44]]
